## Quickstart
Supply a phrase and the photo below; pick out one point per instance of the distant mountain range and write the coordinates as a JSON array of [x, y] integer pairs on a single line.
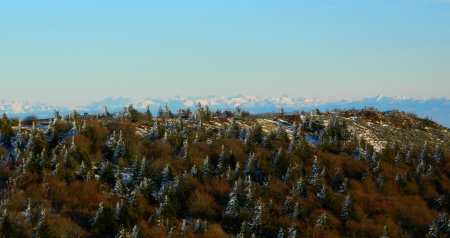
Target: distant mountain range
[[438, 109]]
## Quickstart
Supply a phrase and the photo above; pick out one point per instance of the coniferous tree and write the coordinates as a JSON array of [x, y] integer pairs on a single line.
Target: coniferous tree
[[28, 212], [281, 233], [300, 188], [323, 222], [107, 173], [103, 222], [8, 228], [347, 209], [42, 230], [313, 178], [135, 233]]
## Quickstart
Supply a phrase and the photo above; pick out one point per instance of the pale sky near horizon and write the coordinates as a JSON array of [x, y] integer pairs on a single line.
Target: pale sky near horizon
[[74, 52]]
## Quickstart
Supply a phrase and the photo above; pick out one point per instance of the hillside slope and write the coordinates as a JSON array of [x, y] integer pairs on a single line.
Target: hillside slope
[[354, 173]]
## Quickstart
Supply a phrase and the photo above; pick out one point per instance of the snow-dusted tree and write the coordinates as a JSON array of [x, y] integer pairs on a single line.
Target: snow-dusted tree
[[107, 173], [120, 187], [398, 159], [296, 213], [385, 232], [322, 195], [237, 168], [433, 231], [437, 155], [144, 170], [249, 164], [243, 134], [7, 226], [300, 188], [135, 233], [423, 153], [183, 227], [278, 155], [347, 209], [292, 232], [281, 233], [206, 170], [313, 177], [28, 212], [421, 169], [103, 221], [84, 127], [193, 171], [185, 149], [257, 220], [119, 150], [111, 141], [82, 172], [323, 222], [42, 230], [249, 193], [75, 130], [221, 160], [288, 204], [344, 186], [120, 212], [197, 226], [166, 175], [245, 230], [336, 179], [288, 175], [232, 208], [380, 180]]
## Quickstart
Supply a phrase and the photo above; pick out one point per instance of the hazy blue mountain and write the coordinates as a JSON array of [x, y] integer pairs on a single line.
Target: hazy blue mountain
[[438, 109]]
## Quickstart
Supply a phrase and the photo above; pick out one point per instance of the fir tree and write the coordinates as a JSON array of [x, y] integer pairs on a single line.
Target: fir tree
[[183, 228], [103, 222], [122, 234], [107, 173], [120, 187], [206, 170], [135, 233], [347, 209], [28, 212], [81, 174], [292, 232], [322, 195], [313, 178], [42, 230], [120, 212], [323, 222], [296, 214], [344, 186], [300, 188], [8, 228], [119, 150], [281, 233], [232, 208], [257, 222], [385, 232]]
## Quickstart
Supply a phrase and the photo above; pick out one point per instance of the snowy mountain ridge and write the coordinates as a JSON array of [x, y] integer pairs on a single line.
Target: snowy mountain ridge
[[437, 109]]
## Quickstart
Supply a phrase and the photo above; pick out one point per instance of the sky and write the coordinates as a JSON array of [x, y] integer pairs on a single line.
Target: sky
[[73, 52]]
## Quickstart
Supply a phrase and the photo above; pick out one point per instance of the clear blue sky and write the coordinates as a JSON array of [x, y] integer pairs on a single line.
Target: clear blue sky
[[72, 52]]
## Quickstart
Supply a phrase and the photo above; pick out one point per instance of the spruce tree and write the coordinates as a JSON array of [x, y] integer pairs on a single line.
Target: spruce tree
[[347, 209], [42, 230], [8, 228]]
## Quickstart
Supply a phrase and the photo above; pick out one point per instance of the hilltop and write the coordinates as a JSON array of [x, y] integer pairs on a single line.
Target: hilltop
[[437, 109]]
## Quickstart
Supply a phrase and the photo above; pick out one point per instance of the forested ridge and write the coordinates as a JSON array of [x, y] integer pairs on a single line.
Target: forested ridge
[[202, 173]]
